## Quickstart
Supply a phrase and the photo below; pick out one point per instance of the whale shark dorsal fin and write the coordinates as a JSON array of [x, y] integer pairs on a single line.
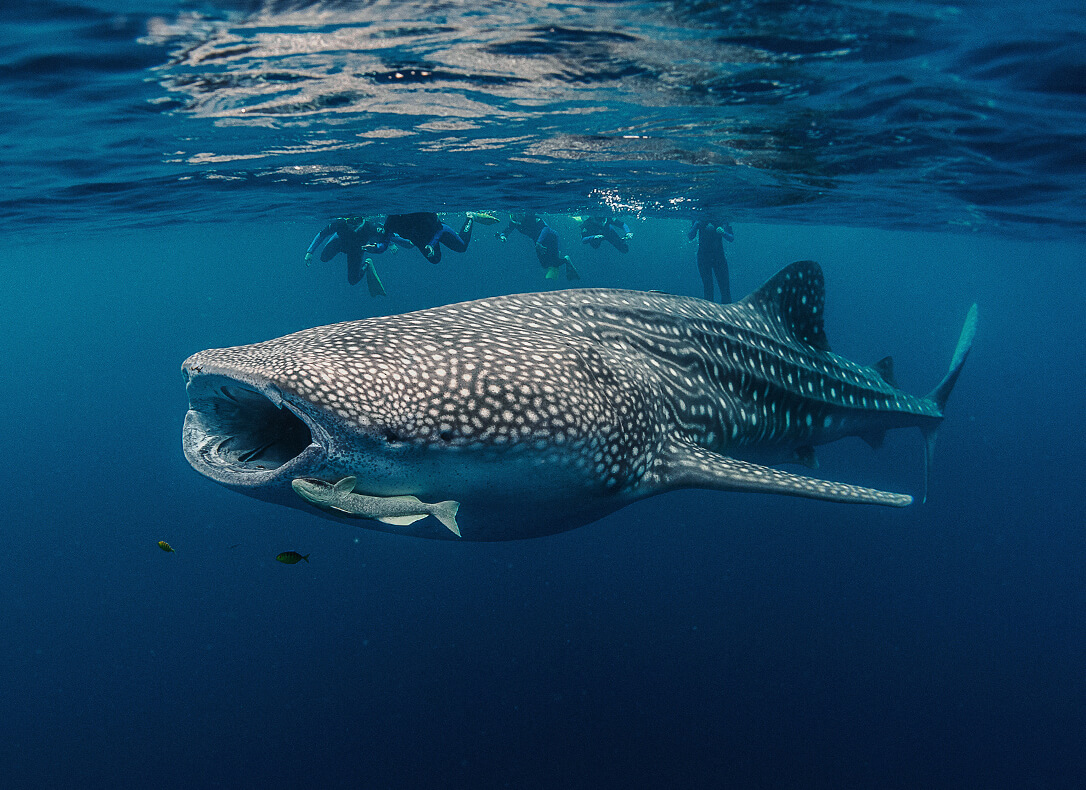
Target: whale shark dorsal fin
[[687, 465], [345, 486], [795, 298]]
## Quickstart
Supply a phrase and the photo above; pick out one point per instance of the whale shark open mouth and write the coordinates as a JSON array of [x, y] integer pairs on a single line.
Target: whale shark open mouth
[[243, 434]]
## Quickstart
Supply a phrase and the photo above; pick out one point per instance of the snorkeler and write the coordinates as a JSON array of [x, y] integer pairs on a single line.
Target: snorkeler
[[546, 244], [711, 237], [428, 233], [596, 230], [353, 236]]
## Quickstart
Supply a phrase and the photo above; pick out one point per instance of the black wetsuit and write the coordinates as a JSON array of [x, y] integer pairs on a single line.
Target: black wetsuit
[[428, 233], [351, 237], [711, 258], [546, 240], [596, 230]]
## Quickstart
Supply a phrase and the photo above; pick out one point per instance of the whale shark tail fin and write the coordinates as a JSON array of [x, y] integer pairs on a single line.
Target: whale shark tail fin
[[941, 393], [965, 343], [445, 512]]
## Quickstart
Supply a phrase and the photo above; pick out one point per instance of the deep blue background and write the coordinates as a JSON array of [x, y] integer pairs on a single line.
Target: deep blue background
[[696, 639]]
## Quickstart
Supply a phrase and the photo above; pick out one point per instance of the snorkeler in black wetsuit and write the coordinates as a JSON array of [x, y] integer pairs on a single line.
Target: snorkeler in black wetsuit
[[546, 244], [428, 233], [711, 237], [352, 236], [596, 230]]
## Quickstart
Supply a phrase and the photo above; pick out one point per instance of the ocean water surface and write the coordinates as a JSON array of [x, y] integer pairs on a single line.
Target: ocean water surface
[[166, 165]]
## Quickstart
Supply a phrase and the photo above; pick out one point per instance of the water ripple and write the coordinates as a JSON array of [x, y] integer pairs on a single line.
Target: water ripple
[[889, 114]]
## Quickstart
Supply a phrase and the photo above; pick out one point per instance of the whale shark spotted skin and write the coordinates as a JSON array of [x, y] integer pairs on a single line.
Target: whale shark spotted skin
[[543, 412]]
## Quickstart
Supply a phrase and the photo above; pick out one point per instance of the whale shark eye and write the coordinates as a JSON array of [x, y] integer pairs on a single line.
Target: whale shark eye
[[392, 436]]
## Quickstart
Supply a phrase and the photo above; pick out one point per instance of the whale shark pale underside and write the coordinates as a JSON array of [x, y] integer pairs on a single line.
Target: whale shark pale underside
[[543, 412]]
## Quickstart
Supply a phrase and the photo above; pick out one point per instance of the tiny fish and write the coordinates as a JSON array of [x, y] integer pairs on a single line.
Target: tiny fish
[[291, 557], [165, 546]]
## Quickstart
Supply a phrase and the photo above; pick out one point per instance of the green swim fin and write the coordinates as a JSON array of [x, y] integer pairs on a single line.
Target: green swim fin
[[373, 282]]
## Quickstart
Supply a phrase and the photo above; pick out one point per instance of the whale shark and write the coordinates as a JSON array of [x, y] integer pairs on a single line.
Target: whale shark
[[543, 412]]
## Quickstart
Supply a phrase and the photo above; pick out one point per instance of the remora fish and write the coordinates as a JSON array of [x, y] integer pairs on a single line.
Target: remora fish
[[543, 412], [397, 510]]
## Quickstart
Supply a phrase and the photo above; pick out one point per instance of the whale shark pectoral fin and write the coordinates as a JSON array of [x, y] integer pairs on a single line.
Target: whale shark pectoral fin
[[690, 466]]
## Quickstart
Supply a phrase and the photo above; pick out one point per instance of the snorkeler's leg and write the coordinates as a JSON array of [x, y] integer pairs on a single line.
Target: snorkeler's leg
[[465, 232], [450, 239], [723, 280], [571, 270], [333, 248], [705, 269], [614, 239], [354, 267]]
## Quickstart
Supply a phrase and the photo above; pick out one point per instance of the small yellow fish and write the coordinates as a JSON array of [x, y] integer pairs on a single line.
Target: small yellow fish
[[165, 546], [291, 557]]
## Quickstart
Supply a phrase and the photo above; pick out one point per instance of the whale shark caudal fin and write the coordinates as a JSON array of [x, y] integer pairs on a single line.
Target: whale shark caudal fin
[[689, 466], [941, 393], [445, 512], [795, 298]]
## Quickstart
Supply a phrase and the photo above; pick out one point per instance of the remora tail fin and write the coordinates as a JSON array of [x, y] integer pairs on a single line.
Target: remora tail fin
[[445, 512], [941, 393]]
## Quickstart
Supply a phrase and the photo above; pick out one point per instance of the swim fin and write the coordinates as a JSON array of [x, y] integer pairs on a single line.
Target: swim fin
[[373, 282], [484, 217]]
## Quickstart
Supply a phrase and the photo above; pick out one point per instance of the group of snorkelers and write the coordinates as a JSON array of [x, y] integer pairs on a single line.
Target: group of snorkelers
[[356, 236]]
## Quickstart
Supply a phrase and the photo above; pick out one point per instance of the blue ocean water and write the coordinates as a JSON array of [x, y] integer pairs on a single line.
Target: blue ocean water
[[168, 163]]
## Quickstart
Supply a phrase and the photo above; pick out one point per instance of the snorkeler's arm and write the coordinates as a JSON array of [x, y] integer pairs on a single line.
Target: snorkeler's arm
[[693, 232], [316, 243], [327, 231], [726, 232], [379, 241], [503, 234]]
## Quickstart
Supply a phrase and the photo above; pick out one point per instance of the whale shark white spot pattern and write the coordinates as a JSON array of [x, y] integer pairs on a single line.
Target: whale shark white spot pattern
[[541, 412]]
